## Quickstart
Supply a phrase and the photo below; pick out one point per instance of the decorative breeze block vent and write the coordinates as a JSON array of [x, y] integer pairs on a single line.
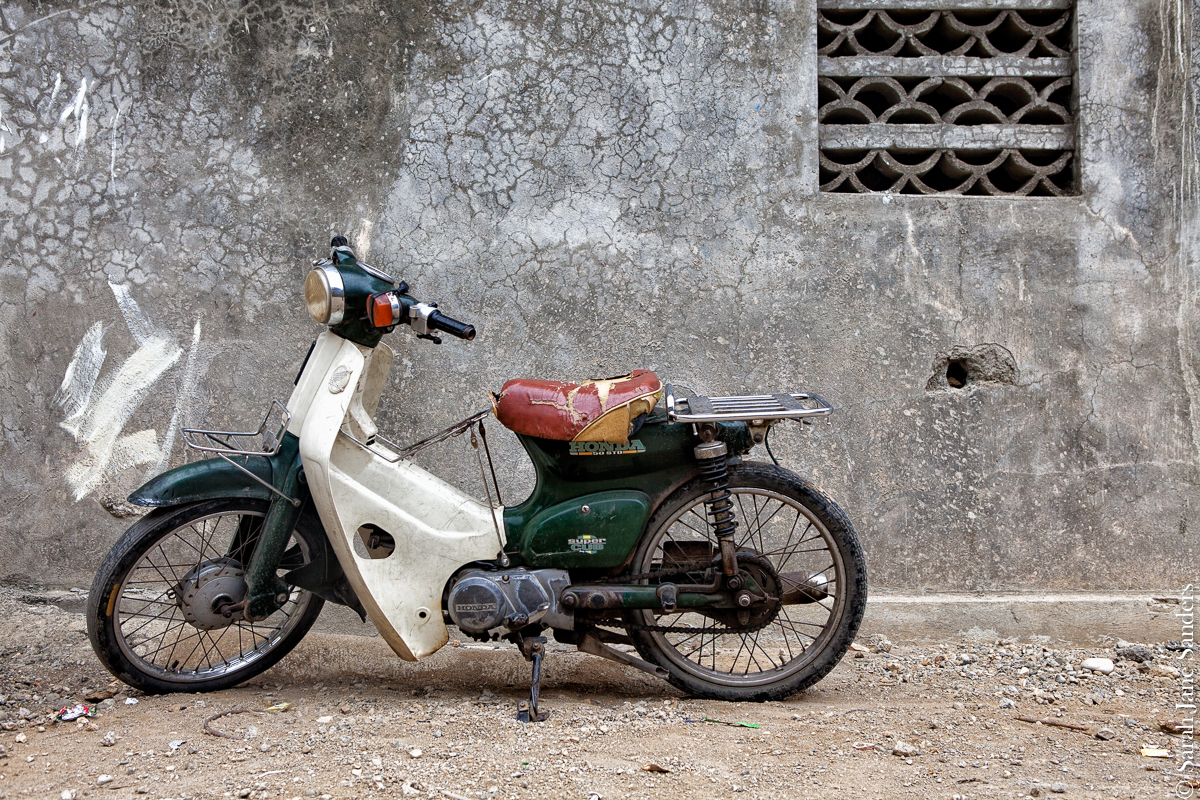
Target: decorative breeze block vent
[[973, 98]]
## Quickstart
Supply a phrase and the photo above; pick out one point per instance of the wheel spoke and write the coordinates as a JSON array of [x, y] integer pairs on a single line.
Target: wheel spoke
[[159, 635], [787, 534]]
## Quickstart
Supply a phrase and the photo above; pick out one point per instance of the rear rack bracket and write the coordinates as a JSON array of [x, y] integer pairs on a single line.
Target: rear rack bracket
[[760, 410]]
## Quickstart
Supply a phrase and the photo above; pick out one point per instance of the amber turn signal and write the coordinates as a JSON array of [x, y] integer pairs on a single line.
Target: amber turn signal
[[384, 309]]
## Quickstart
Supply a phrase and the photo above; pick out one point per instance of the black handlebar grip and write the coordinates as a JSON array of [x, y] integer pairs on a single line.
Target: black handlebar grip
[[451, 326]]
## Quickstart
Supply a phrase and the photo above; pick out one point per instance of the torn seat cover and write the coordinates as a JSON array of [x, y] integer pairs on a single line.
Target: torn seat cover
[[592, 411]]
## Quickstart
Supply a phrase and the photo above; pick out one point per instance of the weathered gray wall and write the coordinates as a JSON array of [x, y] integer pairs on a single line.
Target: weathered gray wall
[[598, 187]]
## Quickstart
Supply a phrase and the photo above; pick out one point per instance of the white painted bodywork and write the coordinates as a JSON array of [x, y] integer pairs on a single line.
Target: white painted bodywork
[[437, 528]]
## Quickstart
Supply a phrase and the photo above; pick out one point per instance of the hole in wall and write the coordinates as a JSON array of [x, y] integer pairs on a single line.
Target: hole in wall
[[956, 374], [970, 366]]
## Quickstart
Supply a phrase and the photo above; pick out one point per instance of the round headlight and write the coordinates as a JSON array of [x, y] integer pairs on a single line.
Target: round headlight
[[325, 295]]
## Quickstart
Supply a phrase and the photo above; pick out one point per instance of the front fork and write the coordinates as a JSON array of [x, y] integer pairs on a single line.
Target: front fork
[[265, 593]]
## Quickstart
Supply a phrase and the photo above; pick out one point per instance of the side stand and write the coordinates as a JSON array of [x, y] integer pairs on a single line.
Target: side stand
[[533, 648]]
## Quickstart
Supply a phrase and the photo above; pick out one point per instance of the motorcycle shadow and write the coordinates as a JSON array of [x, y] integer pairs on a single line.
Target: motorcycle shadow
[[471, 668]]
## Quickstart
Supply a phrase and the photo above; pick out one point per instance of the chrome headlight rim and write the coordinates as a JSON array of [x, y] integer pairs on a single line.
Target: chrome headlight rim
[[334, 290]]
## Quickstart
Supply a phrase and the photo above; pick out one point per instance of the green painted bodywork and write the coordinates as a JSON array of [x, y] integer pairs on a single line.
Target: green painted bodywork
[[565, 537], [359, 286], [539, 529]]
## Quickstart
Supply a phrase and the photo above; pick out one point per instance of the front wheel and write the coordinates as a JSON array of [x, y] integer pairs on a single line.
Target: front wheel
[[797, 546], [162, 614]]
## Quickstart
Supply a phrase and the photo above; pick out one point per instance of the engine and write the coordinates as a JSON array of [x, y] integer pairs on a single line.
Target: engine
[[490, 604]]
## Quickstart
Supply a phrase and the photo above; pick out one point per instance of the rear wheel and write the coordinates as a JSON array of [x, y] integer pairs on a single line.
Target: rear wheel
[[797, 546], [159, 613]]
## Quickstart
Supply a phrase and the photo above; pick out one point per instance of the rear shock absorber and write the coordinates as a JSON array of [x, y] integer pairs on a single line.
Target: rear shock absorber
[[712, 459]]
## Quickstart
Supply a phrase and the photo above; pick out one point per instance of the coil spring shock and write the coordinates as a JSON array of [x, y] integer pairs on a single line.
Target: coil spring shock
[[712, 459]]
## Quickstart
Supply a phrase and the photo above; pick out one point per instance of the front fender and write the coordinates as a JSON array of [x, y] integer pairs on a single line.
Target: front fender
[[206, 480]]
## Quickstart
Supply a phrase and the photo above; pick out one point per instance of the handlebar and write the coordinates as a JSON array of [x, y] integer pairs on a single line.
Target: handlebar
[[451, 326]]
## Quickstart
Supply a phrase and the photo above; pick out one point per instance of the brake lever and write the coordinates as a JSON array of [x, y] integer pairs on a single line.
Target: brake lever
[[430, 337]]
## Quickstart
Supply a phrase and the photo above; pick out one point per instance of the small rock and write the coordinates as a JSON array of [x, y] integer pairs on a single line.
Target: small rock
[[69, 794], [1163, 671], [243, 793], [1035, 791], [324, 720], [1058, 788], [104, 780], [415, 752], [1173, 727], [1006, 703], [905, 750], [264, 748], [131, 701], [20, 738], [109, 739], [1102, 665], [409, 790], [1106, 734], [880, 644], [1135, 652]]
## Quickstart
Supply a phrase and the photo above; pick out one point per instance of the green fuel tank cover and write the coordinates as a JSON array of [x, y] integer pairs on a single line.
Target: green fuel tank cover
[[596, 530]]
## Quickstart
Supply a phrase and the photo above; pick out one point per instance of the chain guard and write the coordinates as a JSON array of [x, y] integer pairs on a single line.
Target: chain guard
[[761, 570]]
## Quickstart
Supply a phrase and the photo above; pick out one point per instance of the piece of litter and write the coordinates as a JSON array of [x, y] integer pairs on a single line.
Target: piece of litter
[[652, 767], [76, 711], [131, 701], [723, 722], [1155, 752], [278, 707], [175, 745]]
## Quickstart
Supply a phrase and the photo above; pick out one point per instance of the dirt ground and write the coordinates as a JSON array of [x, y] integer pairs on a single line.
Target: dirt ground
[[932, 721]]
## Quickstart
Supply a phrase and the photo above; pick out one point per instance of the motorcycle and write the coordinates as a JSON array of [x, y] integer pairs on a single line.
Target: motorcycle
[[648, 527]]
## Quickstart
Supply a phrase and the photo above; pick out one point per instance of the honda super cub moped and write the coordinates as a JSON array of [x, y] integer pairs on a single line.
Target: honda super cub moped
[[647, 527]]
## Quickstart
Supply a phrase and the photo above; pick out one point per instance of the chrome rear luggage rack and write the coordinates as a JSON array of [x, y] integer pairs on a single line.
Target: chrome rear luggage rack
[[759, 408]]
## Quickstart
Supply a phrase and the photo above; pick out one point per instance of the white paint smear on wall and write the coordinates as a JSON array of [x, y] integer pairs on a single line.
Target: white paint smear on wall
[[100, 432], [97, 422], [196, 364], [139, 324], [82, 373]]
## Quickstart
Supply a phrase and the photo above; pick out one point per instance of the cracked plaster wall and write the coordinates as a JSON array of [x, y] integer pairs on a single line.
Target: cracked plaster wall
[[599, 187]]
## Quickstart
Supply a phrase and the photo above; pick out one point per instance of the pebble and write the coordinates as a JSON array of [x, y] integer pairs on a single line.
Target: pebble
[[1058, 788], [104, 780], [69, 794], [1163, 671], [109, 739], [1101, 665], [905, 750], [1135, 652], [1105, 734], [415, 752]]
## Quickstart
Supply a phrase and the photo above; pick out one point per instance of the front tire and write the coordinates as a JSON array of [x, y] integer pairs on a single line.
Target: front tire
[[151, 617], [787, 648]]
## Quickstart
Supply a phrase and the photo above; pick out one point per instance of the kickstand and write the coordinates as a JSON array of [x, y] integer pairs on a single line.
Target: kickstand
[[533, 648]]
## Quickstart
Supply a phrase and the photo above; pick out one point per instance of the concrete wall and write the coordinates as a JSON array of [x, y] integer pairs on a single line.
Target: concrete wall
[[597, 187]]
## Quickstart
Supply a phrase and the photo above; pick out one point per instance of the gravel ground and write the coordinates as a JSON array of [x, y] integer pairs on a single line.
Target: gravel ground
[[934, 720]]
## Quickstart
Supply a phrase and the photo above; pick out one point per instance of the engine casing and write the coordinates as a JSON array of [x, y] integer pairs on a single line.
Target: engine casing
[[491, 603]]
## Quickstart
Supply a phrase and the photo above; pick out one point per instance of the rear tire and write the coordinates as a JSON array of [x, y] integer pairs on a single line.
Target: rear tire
[[148, 633], [795, 526]]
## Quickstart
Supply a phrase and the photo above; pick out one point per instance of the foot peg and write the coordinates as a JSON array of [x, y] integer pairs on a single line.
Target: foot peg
[[533, 648]]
